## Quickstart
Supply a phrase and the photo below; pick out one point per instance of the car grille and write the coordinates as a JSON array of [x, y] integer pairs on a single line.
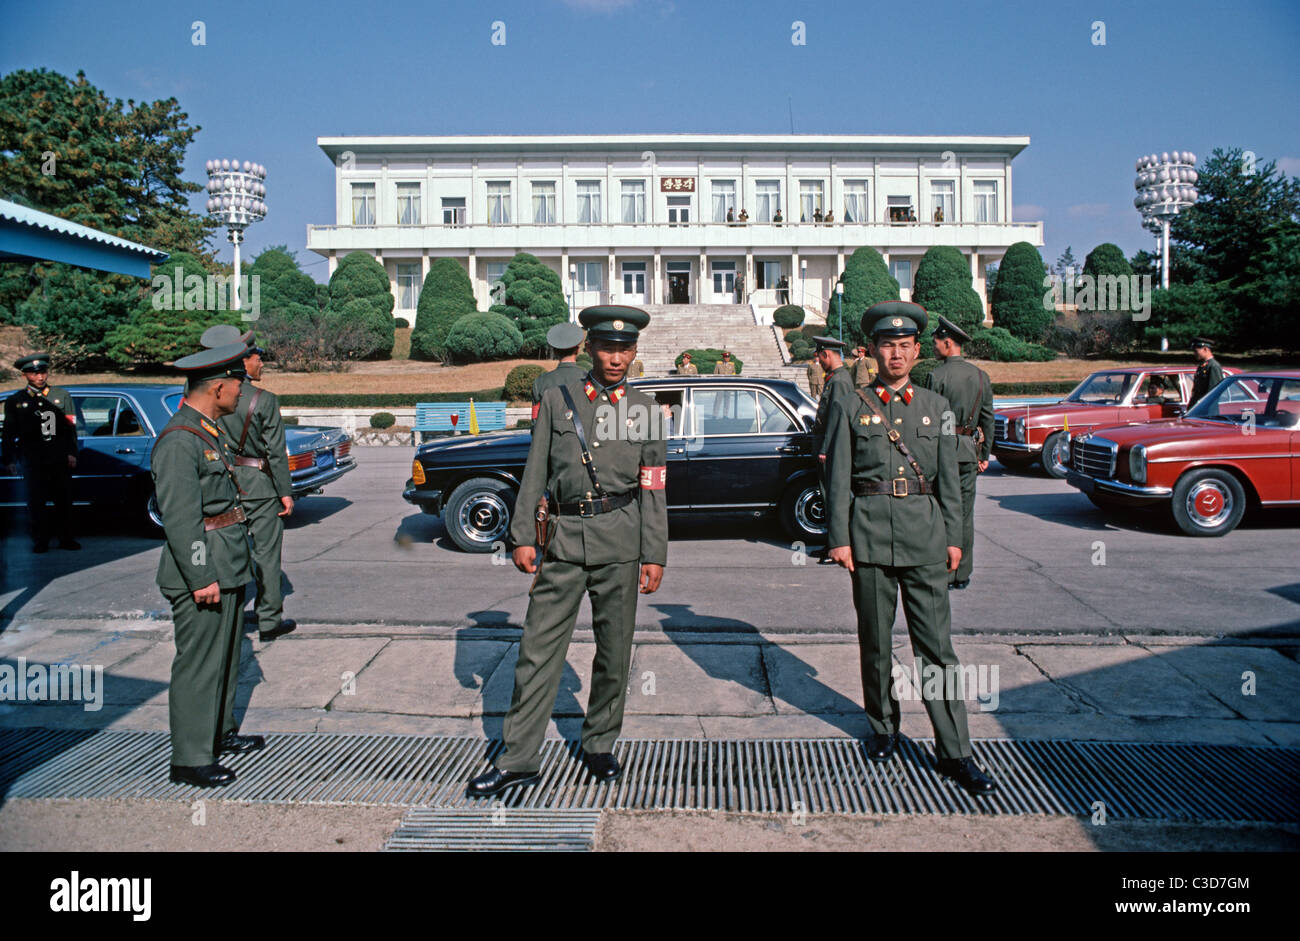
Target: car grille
[[1094, 456], [999, 428]]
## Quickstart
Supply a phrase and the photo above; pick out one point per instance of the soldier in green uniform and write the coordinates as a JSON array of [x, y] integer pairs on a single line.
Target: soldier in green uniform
[[894, 518], [40, 433], [204, 567], [606, 499], [687, 368], [564, 338], [725, 367], [970, 393], [255, 435], [1208, 371], [839, 381], [864, 367], [816, 378]]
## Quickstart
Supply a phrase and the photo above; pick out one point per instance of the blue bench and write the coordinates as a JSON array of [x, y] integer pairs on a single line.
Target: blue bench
[[436, 417]]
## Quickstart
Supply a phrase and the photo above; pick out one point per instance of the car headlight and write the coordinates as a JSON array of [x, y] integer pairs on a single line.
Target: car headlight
[[1137, 464], [417, 472], [1018, 430]]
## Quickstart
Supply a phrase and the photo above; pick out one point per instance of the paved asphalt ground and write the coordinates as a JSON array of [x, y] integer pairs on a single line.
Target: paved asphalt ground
[[1117, 630]]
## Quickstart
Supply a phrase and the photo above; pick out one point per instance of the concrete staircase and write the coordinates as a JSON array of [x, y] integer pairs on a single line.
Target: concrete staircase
[[677, 327]]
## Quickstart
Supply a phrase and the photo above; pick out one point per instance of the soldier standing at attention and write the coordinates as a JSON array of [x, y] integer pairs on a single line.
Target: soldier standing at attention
[[40, 433], [838, 382], [970, 393], [864, 367], [204, 567], [687, 368], [564, 338], [816, 378], [255, 434], [598, 462], [725, 367], [1208, 371], [894, 519]]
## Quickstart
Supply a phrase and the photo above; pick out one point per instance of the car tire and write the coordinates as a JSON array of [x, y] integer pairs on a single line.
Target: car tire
[[478, 513], [151, 519], [1208, 502], [1051, 464], [803, 512]]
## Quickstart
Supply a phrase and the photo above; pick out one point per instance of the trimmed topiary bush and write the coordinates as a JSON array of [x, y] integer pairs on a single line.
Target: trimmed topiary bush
[[1018, 294], [788, 315], [476, 338], [706, 359], [447, 296], [867, 282], [382, 420], [519, 382], [943, 286], [360, 296], [1105, 261], [801, 349], [584, 360]]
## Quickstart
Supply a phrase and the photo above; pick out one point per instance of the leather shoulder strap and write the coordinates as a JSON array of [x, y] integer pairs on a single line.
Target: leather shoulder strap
[[252, 404], [198, 434], [582, 442], [895, 438]]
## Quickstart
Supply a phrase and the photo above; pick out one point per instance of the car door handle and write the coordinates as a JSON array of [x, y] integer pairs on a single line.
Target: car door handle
[[676, 450], [125, 450], [789, 449]]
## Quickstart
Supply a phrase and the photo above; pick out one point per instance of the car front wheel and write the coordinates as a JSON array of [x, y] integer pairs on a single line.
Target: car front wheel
[[478, 512], [803, 512], [151, 519], [1051, 456], [1208, 503]]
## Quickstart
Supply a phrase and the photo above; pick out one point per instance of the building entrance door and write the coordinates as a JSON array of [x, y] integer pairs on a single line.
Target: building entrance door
[[679, 288]]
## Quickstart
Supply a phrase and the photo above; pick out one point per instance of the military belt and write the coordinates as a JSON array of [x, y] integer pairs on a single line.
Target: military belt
[[898, 487], [258, 462], [594, 506], [222, 520]]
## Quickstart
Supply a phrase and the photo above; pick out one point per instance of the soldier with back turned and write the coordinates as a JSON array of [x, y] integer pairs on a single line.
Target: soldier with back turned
[[564, 338]]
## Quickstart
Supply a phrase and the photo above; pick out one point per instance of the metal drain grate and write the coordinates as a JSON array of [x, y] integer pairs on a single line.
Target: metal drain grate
[[1133, 781], [499, 829]]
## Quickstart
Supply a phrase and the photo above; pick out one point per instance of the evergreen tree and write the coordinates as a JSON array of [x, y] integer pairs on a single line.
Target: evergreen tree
[[447, 295], [533, 299], [943, 286], [1018, 294], [867, 282], [360, 296]]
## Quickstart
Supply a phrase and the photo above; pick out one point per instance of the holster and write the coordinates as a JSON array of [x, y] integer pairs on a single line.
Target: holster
[[545, 527]]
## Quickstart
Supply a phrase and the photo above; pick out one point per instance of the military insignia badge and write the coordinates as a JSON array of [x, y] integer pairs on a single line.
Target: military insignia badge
[[209, 427], [210, 454], [925, 420], [617, 324], [875, 419], [897, 322], [863, 420], [568, 415]]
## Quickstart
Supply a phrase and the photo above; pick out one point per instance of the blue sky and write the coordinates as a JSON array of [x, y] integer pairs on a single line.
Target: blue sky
[[274, 76]]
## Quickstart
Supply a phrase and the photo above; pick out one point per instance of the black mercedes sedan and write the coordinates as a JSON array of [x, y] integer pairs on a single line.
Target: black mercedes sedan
[[734, 445]]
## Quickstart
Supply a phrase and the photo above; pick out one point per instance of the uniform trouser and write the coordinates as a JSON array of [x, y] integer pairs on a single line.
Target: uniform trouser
[[201, 700], [968, 474], [48, 482], [548, 628], [925, 605], [266, 528]]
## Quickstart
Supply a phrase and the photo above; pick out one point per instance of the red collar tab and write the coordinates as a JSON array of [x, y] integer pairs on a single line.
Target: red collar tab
[[885, 394], [593, 390], [210, 428], [589, 387], [617, 393], [907, 394]]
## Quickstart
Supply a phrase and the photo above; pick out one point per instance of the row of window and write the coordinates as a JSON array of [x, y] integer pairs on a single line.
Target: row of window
[[724, 207]]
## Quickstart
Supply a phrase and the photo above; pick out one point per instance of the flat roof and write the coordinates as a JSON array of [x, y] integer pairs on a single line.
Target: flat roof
[[721, 143], [28, 234]]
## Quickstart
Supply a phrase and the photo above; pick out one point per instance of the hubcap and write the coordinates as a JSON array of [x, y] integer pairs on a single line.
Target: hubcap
[[1209, 503], [810, 511], [154, 513], [483, 516]]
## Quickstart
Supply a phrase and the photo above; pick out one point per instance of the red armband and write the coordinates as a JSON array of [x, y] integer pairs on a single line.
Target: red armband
[[654, 478], [537, 407]]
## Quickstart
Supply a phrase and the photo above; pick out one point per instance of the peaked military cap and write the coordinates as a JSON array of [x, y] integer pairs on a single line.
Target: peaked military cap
[[946, 329], [614, 322], [1202, 341], [895, 319], [223, 334], [37, 362], [828, 343], [216, 363], [564, 336]]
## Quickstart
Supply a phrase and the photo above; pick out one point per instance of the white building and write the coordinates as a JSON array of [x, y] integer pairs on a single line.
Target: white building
[[655, 219]]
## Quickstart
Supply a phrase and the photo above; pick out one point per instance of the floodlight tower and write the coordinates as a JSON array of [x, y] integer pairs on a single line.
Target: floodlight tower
[[236, 201], [1166, 185]]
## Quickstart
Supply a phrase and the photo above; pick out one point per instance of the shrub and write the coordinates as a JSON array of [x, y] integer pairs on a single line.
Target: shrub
[[477, 337], [446, 296], [996, 343], [533, 297], [792, 336], [401, 323], [788, 315], [524, 423], [382, 420], [1018, 294], [360, 295], [1182, 312], [1092, 335], [289, 419], [943, 286], [584, 360], [303, 339], [519, 382], [921, 370], [1106, 260], [801, 349], [867, 282], [706, 359]]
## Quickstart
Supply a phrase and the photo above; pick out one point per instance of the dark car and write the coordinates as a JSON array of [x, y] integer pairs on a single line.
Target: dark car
[[734, 445], [116, 426]]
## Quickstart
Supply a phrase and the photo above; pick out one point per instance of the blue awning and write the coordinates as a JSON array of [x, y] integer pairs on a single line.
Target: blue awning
[[30, 235]]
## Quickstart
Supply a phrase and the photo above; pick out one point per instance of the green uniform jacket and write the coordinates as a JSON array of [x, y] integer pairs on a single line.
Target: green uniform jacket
[[563, 372], [619, 450], [192, 482], [839, 382], [1208, 375], [39, 428], [882, 529], [970, 393], [265, 439]]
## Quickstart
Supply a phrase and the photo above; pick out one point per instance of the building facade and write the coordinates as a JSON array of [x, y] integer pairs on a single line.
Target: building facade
[[670, 219]]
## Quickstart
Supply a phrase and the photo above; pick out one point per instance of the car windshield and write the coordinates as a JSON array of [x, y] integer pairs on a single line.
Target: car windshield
[[1103, 388], [1266, 402]]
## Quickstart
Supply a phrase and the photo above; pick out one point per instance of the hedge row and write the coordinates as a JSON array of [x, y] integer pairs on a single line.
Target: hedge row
[[1034, 388], [385, 399]]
